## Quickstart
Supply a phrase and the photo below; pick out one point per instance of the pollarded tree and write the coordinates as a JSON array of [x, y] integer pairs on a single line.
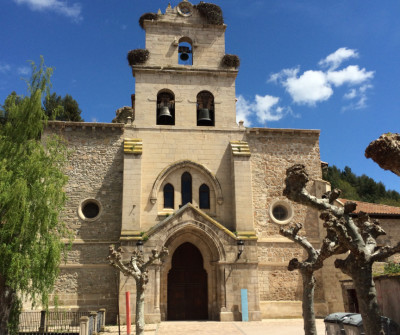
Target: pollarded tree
[[386, 152], [307, 267], [138, 269], [31, 198], [357, 235]]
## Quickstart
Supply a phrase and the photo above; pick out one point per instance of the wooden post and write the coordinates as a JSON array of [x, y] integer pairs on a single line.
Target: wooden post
[[128, 313], [42, 321]]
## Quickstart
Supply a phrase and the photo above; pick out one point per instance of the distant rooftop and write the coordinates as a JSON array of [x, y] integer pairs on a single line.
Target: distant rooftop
[[374, 209]]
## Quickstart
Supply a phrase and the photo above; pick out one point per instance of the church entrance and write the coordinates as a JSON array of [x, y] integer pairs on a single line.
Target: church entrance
[[187, 285]]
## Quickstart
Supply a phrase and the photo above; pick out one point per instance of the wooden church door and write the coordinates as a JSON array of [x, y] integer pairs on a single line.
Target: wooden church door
[[187, 285]]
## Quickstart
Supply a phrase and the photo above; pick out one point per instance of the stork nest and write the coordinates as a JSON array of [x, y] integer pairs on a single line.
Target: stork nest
[[230, 61], [138, 56], [147, 16], [212, 13]]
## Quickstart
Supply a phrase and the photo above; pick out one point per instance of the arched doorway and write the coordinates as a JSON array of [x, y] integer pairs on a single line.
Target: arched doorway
[[187, 285]]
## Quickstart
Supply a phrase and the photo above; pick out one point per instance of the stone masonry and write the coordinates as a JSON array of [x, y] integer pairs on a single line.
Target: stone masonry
[[119, 173]]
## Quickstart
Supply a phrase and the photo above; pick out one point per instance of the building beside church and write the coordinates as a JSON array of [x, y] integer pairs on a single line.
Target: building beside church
[[181, 173]]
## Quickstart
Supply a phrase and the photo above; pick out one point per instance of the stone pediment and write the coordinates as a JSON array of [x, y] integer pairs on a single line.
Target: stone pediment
[[190, 215]]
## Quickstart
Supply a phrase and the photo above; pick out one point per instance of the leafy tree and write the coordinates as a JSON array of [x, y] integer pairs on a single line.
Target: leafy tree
[[62, 109], [361, 188], [13, 98], [31, 198]]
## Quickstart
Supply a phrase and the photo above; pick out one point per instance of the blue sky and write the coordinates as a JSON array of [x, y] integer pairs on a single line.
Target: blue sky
[[328, 65]]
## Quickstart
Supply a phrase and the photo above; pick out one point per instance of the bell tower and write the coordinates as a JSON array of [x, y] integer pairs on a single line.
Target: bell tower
[[185, 81], [186, 167]]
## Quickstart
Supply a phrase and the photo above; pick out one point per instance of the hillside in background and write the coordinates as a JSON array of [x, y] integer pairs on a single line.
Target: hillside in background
[[362, 188]]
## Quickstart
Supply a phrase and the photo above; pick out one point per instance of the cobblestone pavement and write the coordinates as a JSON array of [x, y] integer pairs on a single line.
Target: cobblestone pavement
[[268, 326]]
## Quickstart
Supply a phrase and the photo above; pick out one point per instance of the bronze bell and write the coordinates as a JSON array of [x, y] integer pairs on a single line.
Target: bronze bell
[[184, 53], [164, 114], [204, 117]]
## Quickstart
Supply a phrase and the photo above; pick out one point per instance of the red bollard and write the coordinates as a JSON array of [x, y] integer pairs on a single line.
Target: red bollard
[[128, 313]]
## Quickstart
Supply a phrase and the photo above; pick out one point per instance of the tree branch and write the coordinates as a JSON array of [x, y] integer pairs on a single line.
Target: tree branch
[[385, 151], [296, 180], [291, 234], [385, 252]]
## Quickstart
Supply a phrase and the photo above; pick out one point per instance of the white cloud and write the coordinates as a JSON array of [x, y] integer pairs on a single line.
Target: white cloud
[[313, 86], [243, 111], [62, 7], [358, 94], [285, 73], [24, 70], [4, 67], [351, 94], [351, 75], [335, 59], [264, 108]]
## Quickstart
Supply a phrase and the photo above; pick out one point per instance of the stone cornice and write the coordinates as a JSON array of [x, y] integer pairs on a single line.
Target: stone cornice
[[84, 125], [166, 22], [184, 70], [285, 131]]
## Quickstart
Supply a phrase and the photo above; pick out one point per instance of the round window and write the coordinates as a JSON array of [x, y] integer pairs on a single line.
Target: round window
[[281, 212], [90, 209]]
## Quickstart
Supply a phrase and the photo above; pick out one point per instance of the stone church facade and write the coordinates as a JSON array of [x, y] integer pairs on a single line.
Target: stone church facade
[[181, 173]]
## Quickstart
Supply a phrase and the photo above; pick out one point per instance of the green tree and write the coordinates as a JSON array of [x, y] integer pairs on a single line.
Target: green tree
[[31, 198], [62, 109], [361, 188], [12, 99]]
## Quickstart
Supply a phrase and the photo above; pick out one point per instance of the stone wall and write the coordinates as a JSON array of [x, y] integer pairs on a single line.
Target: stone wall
[[272, 152], [87, 281], [392, 228]]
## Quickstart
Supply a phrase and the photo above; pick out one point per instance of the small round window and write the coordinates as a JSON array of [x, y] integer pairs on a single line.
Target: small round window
[[90, 209], [281, 212]]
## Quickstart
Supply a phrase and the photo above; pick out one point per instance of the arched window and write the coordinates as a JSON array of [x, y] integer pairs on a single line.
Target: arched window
[[186, 188], [185, 51], [205, 109], [165, 108], [168, 196], [204, 196]]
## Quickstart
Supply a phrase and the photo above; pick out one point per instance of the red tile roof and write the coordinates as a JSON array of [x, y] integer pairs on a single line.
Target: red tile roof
[[371, 208]]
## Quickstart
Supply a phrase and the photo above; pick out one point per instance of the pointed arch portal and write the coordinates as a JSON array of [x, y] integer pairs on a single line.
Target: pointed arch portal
[[187, 285]]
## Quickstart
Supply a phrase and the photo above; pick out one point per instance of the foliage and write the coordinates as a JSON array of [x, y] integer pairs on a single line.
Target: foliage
[[391, 268], [13, 98], [62, 109], [231, 61], [31, 197], [361, 188], [138, 56], [212, 13], [147, 16]]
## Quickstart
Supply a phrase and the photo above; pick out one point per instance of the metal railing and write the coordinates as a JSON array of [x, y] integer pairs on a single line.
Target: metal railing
[[60, 322]]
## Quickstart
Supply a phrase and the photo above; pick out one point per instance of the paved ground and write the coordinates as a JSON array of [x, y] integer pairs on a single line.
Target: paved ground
[[268, 326]]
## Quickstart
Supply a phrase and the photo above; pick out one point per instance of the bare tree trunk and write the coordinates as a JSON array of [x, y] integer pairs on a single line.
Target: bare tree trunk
[[368, 303], [7, 300], [138, 269], [139, 308], [308, 302]]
